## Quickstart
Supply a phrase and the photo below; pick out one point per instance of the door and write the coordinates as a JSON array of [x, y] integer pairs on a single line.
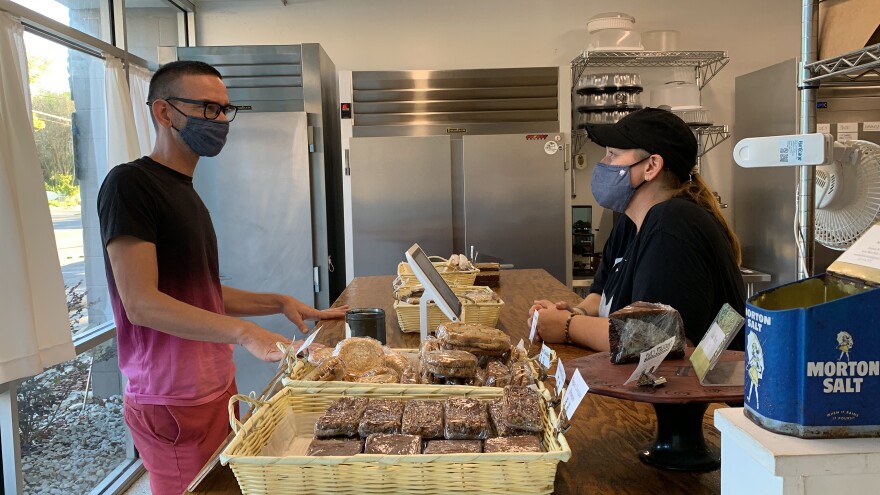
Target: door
[[258, 193], [514, 201], [401, 189]]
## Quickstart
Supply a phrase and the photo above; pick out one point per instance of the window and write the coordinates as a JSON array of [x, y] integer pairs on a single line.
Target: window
[[151, 25], [92, 17]]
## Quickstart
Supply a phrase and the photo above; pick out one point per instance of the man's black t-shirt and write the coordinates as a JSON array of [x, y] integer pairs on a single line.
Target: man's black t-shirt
[[680, 257]]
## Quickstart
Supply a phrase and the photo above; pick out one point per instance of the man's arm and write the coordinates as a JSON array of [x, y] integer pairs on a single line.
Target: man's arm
[[240, 302], [137, 278]]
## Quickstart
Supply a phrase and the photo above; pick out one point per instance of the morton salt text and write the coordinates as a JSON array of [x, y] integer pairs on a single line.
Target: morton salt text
[[757, 320], [844, 377]]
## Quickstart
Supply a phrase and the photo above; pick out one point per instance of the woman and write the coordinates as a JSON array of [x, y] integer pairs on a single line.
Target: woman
[[671, 245]]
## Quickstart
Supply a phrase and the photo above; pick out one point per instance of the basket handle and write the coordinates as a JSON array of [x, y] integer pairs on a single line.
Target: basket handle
[[252, 401], [441, 258]]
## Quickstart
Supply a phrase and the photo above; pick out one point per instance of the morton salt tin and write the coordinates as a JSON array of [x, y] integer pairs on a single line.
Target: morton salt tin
[[813, 355]]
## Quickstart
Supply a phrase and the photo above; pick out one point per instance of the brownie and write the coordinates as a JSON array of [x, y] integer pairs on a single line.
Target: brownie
[[342, 418], [423, 418], [466, 419], [499, 421], [513, 444], [393, 444], [522, 409], [454, 447], [335, 446], [640, 326], [381, 416]]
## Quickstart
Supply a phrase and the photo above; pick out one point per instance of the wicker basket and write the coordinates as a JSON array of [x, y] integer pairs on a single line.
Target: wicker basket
[[521, 473], [405, 275], [471, 312]]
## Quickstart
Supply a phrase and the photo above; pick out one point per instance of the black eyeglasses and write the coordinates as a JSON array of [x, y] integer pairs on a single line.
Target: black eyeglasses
[[211, 109]]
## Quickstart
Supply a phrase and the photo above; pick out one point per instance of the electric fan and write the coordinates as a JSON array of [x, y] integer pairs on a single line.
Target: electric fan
[[847, 198]]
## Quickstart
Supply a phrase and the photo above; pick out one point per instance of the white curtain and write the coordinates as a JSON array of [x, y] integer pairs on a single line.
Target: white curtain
[[122, 133], [34, 325], [139, 80]]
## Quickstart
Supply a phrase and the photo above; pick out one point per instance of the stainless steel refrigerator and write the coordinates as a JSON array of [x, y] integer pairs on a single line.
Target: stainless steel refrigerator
[[764, 198], [454, 159], [274, 191]]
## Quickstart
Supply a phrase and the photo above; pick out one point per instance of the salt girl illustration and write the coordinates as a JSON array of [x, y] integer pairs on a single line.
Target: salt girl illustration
[[844, 344], [755, 365]]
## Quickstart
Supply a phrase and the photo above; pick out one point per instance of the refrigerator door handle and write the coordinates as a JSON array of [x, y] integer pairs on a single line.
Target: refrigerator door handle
[[311, 135], [317, 279]]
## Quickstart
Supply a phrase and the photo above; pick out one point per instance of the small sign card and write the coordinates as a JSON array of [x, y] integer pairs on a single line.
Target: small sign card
[[560, 377], [650, 360], [544, 357], [725, 327], [308, 341], [534, 329], [575, 393]]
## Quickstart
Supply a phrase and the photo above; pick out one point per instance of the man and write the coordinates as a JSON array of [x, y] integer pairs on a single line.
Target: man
[[175, 324]]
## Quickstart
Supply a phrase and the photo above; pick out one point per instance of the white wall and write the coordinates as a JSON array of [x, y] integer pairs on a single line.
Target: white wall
[[460, 34]]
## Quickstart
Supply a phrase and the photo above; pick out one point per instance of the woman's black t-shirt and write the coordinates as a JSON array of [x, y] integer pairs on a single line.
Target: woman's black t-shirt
[[680, 257]]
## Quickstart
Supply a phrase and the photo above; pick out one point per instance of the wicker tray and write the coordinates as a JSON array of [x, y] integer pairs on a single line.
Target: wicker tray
[[484, 312], [406, 276], [521, 473]]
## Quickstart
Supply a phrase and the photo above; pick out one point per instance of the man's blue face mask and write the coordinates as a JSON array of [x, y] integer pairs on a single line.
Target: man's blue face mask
[[203, 136], [611, 185]]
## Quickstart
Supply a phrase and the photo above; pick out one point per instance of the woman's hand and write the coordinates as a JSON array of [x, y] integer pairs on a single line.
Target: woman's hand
[[551, 324], [297, 312]]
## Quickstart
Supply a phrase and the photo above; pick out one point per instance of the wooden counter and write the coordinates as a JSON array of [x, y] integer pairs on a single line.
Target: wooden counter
[[606, 432]]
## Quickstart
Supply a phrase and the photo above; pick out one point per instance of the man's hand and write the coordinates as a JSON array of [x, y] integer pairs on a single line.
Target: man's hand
[[263, 343], [297, 312]]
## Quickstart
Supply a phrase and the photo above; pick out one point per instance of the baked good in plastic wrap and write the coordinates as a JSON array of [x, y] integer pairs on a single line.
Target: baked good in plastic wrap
[[342, 418], [423, 418], [513, 444], [410, 376], [335, 446], [453, 447], [450, 363], [478, 339], [521, 374], [466, 419], [381, 416], [393, 444], [359, 354], [497, 375], [319, 355], [499, 421], [379, 375], [396, 361], [640, 326], [522, 409]]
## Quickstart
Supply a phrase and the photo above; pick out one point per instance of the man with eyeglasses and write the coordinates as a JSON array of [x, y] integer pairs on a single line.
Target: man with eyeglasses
[[176, 323]]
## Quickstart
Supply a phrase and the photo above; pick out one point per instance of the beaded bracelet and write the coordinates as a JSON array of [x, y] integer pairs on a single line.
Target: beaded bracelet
[[579, 310], [567, 327]]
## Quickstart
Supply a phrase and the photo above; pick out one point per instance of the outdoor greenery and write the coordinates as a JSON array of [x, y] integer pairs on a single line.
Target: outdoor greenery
[[53, 115]]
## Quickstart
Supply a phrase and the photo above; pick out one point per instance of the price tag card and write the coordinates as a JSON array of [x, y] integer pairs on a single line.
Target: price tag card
[[650, 360], [577, 389], [308, 341], [521, 345], [823, 128], [534, 329], [560, 377], [725, 327], [544, 357]]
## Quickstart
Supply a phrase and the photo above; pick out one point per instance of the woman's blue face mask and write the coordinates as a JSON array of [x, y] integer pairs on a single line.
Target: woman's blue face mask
[[612, 187]]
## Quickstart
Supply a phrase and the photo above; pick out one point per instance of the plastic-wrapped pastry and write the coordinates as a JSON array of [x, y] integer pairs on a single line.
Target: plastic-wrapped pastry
[[409, 377], [640, 326], [379, 371], [517, 354], [497, 375], [480, 378], [393, 444], [318, 356], [335, 446], [521, 374], [381, 416], [380, 378], [423, 418], [342, 418], [529, 443], [431, 344], [522, 409], [359, 354], [454, 447], [396, 361], [499, 421], [455, 364], [475, 338], [331, 369], [466, 419]]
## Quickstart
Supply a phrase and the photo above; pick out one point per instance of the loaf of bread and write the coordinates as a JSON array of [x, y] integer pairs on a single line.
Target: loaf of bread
[[640, 326], [393, 444]]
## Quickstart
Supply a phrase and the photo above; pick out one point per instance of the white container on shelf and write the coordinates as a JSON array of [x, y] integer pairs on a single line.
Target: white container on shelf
[[664, 40], [614, 40], [610, 20], [678, 95]]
